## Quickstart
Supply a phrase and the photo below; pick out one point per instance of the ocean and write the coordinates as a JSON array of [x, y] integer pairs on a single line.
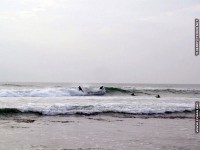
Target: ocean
[[65, 99]]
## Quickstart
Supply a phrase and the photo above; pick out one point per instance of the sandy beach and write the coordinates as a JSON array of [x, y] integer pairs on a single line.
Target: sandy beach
[[60, 117], [20, 132]]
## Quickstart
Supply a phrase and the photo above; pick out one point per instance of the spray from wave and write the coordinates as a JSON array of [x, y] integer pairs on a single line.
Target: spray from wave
[[50, 92], [91, 91]]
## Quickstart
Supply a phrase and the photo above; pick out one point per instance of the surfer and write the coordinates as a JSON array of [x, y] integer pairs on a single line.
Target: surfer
[[101, 87], [80, 89], [158, 96], [132, 94]]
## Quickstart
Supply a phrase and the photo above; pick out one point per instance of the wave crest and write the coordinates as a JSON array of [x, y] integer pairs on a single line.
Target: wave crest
[[50, 92], [91, 109]]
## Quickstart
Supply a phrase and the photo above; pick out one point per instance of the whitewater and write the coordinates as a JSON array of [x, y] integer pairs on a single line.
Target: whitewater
[[65, 99]]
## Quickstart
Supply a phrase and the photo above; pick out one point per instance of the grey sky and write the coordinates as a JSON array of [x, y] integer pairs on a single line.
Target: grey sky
[[131, 41]]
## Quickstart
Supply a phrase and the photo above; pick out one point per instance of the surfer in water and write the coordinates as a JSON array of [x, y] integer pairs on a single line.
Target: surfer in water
[[101, 87], [80, 89], [158, 96], [133, 94]]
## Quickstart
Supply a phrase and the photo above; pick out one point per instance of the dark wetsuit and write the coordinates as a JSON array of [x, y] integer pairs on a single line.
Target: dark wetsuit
[[158, 96], [101, 87], [80, 89]]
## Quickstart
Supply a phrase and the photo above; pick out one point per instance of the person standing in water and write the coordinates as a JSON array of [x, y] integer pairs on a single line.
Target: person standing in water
[[80, 89]]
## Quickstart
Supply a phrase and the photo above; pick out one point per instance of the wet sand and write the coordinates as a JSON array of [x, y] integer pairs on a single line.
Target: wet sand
[[34, 132]]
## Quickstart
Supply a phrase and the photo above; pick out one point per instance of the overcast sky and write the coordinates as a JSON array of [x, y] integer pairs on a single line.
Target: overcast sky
[[121, 41]]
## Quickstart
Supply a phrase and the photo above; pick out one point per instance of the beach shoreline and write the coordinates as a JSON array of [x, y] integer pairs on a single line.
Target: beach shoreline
[[30, 131]]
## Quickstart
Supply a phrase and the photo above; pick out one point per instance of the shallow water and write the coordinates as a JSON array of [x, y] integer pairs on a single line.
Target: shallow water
[[56, 99]]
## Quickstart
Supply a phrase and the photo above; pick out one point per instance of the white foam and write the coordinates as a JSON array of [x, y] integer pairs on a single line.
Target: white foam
[[49, 92], [120, 105], [89, 109]]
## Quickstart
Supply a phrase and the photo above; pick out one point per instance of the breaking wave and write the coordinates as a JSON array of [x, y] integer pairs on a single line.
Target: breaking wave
[[92, 109], [91, 91], [50, 92]]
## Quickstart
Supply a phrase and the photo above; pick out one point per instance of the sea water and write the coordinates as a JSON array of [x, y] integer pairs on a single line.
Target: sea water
[[67, 99]]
